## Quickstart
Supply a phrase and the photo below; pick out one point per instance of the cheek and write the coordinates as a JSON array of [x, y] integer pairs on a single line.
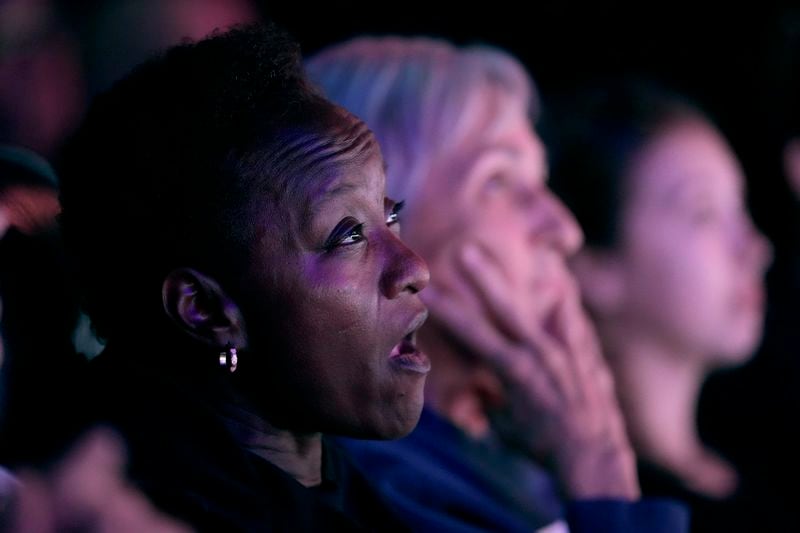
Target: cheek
[[312, 305], [686, 288], [348, 385], [336, 320], [335, 316], [328, 356], [506, 234], [703, 274]]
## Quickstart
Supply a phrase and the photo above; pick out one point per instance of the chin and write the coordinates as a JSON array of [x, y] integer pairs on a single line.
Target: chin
[[408, 427], [393, 425], [732, 359], [401, 423], [740, 347], [730, 343]]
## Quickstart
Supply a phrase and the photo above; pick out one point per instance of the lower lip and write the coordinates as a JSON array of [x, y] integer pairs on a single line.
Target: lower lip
[[413, 361]]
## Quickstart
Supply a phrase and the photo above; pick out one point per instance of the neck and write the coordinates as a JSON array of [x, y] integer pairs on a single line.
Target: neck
[[297, 454], [659, 388], [455, 389]]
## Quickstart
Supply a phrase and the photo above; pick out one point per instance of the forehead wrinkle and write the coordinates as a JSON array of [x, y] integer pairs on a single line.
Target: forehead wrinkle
[[290, 166], [314, 162], [306, 151]]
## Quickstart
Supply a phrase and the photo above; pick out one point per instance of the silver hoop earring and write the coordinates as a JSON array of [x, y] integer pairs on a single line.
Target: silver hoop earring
[[228, 358]]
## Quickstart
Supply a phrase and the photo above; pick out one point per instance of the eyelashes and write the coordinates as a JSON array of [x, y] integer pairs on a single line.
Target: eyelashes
[[354, 235], [394, 214], [350, 231]]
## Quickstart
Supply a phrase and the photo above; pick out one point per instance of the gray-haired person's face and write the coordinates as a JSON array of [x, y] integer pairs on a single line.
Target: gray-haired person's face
[[492, 191]]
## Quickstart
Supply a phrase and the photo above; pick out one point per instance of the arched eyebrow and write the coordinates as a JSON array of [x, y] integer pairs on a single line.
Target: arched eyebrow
[[335, 186], [338, 190], [321, 196]]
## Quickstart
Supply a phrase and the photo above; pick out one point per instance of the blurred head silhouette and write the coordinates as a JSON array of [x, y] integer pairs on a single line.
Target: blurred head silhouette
[[673, 266]]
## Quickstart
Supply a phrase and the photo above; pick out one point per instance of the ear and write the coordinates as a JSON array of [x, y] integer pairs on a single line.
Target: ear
[[601, 278], [199, 307]]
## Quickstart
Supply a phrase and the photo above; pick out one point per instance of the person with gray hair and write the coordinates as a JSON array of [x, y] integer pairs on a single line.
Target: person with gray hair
[[518, 379]]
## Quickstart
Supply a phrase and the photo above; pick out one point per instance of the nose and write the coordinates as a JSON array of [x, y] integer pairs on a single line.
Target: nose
[[553, 223], [761, 249], [403, 270], [756, 249]]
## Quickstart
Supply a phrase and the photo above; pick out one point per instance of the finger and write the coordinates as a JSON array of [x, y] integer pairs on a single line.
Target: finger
[[487, 278], [583, 343], [515, 364], [92, 471], [33, 509], [462, 321], [573, 326], [129, 511]]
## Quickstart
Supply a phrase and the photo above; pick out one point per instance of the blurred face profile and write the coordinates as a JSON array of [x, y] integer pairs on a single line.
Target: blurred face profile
[[332, 309], [693, 262], [490, 190]]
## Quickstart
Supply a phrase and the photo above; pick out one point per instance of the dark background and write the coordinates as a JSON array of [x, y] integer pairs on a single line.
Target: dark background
[[739, 62]]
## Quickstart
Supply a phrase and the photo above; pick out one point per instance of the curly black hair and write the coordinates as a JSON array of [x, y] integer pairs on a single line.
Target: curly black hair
[[174, 163]]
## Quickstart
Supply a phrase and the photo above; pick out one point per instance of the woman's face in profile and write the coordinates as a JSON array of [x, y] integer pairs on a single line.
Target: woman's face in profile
[[492, 188], [333, 310], [693, 261]]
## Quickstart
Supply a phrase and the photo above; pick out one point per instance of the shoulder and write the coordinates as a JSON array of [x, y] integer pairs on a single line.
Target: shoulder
[[438, 481]]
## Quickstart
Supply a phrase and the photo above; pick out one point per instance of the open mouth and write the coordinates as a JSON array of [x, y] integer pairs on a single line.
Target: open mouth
[[405, 354]]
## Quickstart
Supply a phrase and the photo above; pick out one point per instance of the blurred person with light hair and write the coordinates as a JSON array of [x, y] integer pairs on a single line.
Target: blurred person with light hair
[[518, 380]]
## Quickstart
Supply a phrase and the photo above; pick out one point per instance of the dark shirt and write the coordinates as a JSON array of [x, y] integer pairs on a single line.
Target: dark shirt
[[733, 514], [186, 461], [440, 479]]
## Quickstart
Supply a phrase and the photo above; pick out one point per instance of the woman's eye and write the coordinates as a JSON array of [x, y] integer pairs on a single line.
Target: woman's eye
[[394, 215], [353, 235], [348, 231], [497, 181]]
